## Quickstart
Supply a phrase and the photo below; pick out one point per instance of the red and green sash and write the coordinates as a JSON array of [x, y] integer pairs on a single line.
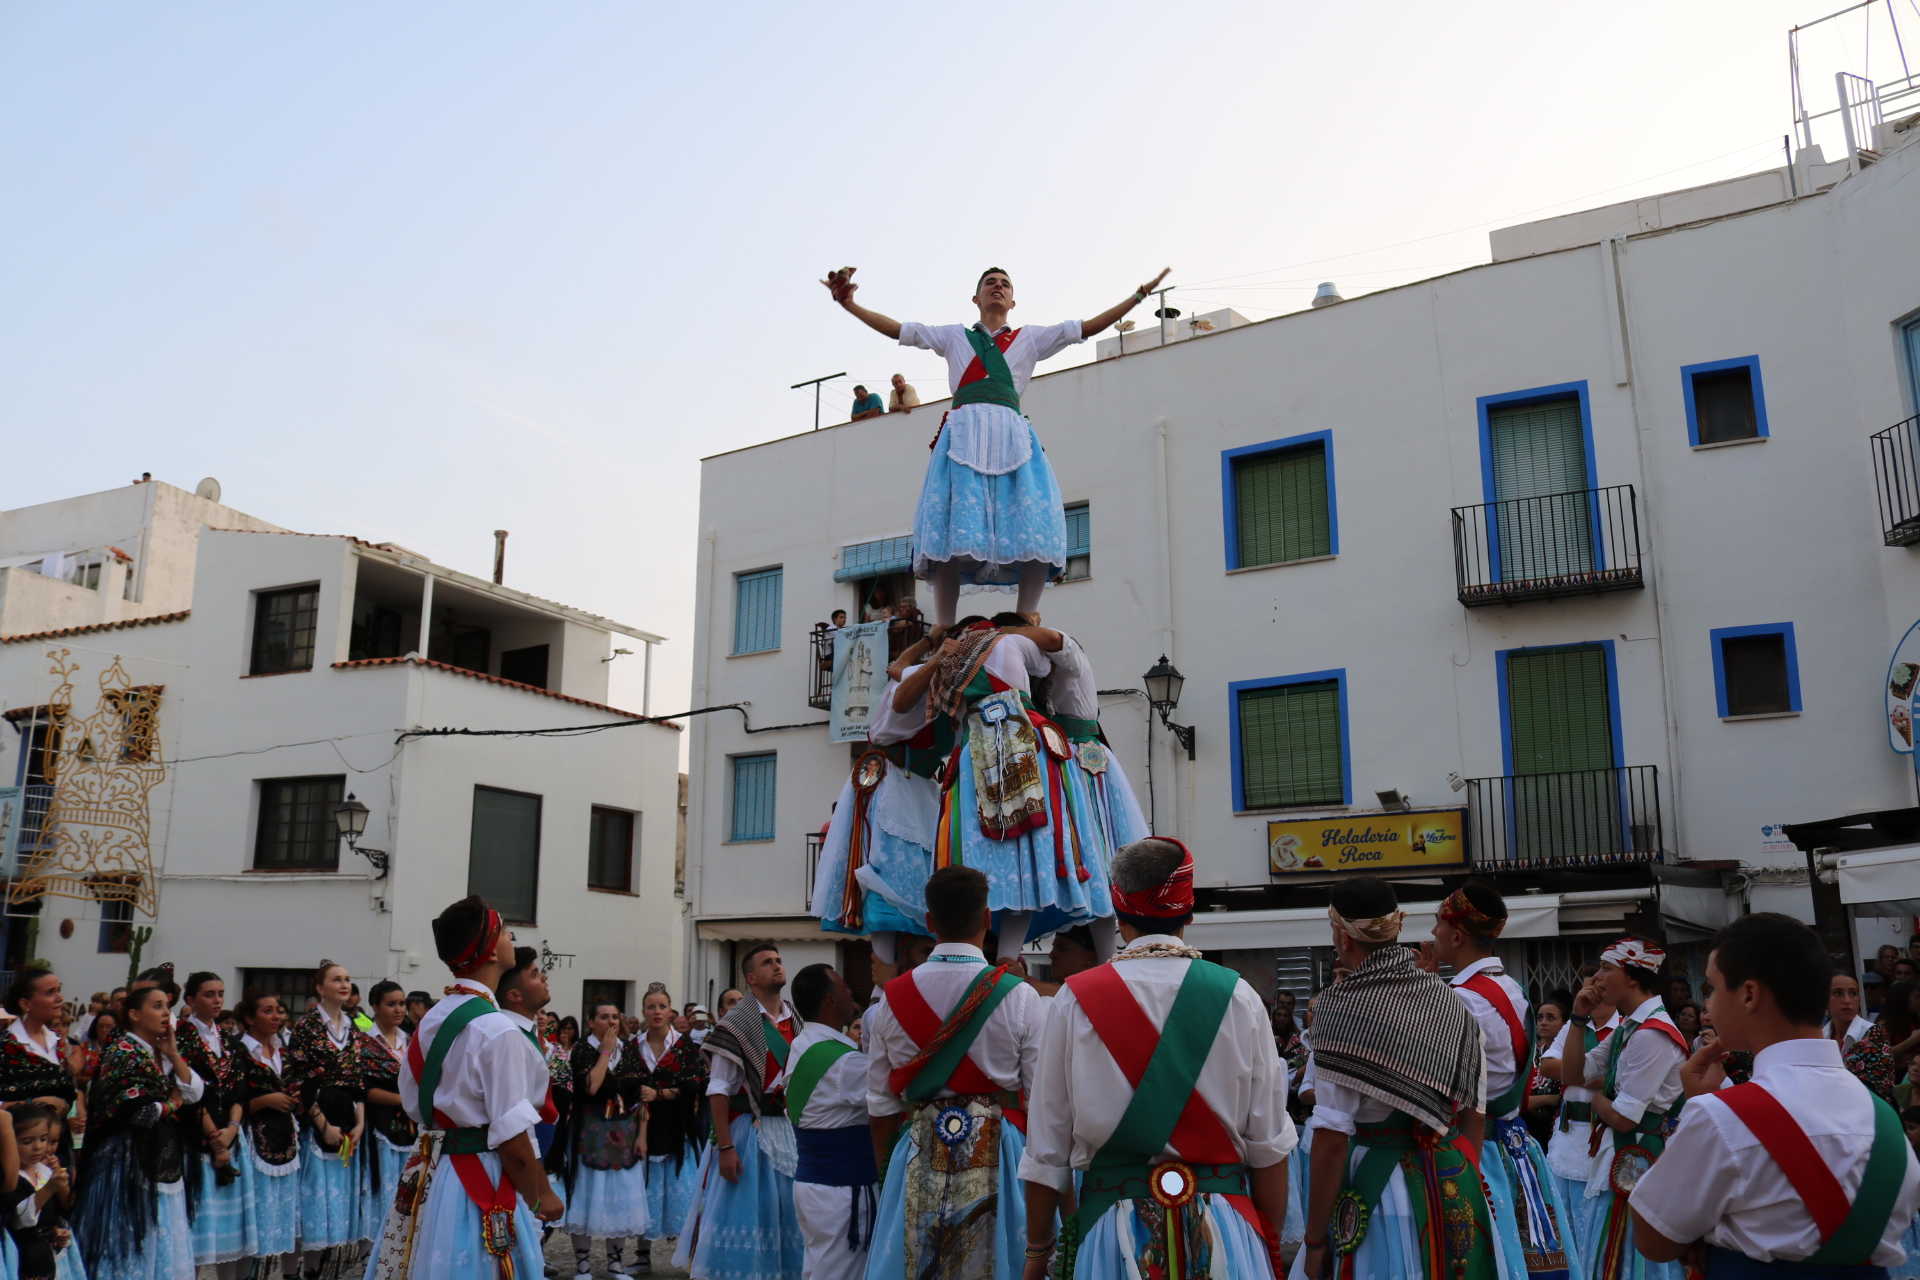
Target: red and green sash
[[988, 380], [1484, 986], [779, 1042], [942, 1061], [463, 1145], [1614, 1246], [1163, 1065], [809, 1071], [1849, 1232]]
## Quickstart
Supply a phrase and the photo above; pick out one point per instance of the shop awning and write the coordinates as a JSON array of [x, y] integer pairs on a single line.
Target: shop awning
[[765, 929], [1881, 881], [1530, 915]]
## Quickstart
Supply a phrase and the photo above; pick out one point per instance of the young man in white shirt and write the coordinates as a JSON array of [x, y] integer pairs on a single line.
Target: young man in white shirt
[[1801, 1171], [826, 1083]]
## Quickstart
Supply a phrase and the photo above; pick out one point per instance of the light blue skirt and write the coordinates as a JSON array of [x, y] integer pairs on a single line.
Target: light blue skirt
[[1023, 873], [903, 865], [1109, 1250], [374, 1204], [989, 525], [273, 1204], [1909, 1269], [330, 1197], [887, 1257], [743, 1230], [1294, 1232], [166, 1251], [222, 1230], [670, 1193], [66, 1263], [1503, 1182], [447, 1244], [1593, 1237], [1391, 1249], [607, 1204]]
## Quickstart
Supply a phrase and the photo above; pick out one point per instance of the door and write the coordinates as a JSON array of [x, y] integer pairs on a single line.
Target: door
[[1543, 527], [1913, 361], [1565, 792]]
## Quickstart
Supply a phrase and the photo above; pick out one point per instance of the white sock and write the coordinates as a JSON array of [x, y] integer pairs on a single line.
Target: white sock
[[1106, 937], [1013, 934], [885, 946]]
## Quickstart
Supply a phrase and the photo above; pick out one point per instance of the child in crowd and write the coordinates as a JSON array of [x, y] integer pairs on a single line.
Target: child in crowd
[[44, 1193]]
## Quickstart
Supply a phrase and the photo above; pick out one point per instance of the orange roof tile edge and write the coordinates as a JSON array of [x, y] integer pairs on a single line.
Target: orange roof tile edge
[[124, 623], [359, 663]]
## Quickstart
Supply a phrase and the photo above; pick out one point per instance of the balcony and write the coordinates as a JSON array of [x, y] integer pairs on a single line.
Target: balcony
[[1896, 479], [1584, 818], [902, 634], [1561, 544]]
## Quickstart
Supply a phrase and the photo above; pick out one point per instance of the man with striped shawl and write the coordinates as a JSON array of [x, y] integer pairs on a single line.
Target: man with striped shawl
[[1400, 1097]]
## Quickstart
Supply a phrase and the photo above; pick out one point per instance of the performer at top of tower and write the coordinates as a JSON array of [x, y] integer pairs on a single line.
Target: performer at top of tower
[[990, 512]]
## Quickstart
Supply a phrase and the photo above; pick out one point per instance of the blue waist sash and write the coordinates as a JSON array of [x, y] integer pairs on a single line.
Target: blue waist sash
[[1725, 1264], [836, 1157]]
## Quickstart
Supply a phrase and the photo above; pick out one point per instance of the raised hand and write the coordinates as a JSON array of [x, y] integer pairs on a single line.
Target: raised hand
[[840, 284], [1154, 283]]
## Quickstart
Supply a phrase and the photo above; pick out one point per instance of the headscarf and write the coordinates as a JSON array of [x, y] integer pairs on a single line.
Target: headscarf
[[1370, 929], [480, 951], [954, 672], [1170, 899], [1458, 911], [1634, 953]]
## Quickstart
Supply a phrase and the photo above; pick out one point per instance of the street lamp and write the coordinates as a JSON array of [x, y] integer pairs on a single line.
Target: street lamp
[[351, 819], [1164, 682]]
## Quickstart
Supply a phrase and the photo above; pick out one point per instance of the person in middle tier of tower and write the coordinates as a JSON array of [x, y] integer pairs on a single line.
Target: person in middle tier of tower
[[1529, 1215], [952, 1048], [1005, 808], [878, 850]]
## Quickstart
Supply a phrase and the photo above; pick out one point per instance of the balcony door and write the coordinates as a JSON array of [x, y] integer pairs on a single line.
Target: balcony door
[[1538, 458], [1912, 334], [1565, 793]]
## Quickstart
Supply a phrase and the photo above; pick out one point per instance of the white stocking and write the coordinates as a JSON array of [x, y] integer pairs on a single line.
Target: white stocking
[[945, 579], [1106, 937], [885, 946], [1033, 580], [1013, 934]]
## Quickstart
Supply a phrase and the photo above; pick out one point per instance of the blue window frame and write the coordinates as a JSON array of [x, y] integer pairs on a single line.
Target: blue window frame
[[753, 795], [1725, 401], [1079, 541], [1278, 501], [756, 611], [1756, 670], [1289, 738]]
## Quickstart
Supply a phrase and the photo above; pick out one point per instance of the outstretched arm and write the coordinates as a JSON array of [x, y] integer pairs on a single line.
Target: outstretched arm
[[840, 284], [1090, 327]]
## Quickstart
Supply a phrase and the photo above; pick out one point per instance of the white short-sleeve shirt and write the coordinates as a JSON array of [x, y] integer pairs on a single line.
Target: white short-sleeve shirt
[[1031, 344], [493, 1077]]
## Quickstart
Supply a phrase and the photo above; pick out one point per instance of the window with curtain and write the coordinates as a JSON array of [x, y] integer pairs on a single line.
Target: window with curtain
[[1290, 748], [503, 852], [1281, 506], [756, 611], [753, 793]]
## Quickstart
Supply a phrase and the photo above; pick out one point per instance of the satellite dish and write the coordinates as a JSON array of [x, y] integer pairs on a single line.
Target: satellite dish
[[208, 489]]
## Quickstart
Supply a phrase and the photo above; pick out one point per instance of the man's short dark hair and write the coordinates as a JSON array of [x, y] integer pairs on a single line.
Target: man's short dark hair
[[1782, 955], [420, 997], [989, 271], [860, 391], [523, 959], [758, 948], [1485, 899], [838, 613], [956, 897], [456, 928], [1079, 935], [1009, 619], [810, 989], [1363, 898]]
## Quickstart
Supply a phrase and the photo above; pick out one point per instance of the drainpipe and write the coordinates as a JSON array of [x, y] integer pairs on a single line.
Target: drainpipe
[[499, 556]]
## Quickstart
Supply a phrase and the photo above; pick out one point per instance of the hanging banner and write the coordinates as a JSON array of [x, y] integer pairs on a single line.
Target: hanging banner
[[1903, 674], [859, 676], [1427, 839], [13, 804]]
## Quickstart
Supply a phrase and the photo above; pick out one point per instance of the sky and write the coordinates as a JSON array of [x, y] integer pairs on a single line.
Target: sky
[[417, 272]]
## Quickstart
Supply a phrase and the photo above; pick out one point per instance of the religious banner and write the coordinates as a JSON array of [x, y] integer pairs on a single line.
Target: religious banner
[[1422, 838], [859, 677], [13, 803], [1902, 691]]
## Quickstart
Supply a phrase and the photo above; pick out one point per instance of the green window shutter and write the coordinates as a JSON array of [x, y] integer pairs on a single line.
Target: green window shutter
[[1540, 475], [1280, 506], [1290, 745], [1558, 706]]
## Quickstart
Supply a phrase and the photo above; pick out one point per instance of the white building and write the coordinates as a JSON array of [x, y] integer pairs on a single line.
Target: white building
[[184, 742], [1584, 541]]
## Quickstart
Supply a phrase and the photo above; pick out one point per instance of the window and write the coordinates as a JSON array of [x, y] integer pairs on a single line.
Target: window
[[1755, 670], [1724, 401], [293, 987], [297, 828], [598, 991], [875, 559], [610, 849], [1290, 741], [753, 779], [283, 626], [1279, 500], [503, 852], [116, 927], [1079, 542], [528, 665], [756, 611]]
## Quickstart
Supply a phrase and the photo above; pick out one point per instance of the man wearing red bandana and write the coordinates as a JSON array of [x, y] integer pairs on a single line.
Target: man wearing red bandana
[[1160, 1088], [468, 1198]]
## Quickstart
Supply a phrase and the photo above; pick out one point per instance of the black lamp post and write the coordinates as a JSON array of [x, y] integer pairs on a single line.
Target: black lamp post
[[1164, 682], [351, 819]]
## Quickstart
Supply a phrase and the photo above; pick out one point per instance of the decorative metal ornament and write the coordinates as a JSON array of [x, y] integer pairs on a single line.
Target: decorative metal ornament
[[1172, 1185], [868, 770], [1629, 1165], [1347, 1226], [1093, 756], [1055, 741]]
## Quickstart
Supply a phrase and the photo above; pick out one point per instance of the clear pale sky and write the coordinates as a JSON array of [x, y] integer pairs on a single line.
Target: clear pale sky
[[417, 271]]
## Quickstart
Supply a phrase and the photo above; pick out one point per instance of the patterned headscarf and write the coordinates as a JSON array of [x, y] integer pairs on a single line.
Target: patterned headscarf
[[1371, 929], [1168, 900], [954, 672], [1634, 953], [1461, 913]]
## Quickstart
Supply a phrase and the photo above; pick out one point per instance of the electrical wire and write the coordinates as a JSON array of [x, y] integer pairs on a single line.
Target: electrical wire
[[583, 730]]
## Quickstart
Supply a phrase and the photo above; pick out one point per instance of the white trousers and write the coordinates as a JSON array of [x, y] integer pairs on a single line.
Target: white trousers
[[824, 1214]]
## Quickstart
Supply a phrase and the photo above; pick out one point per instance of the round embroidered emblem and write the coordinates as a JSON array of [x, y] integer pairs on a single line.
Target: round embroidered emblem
[[868, 771], [1172, 1184], [1055, 741], [1092, 756], [1629, 1163], [1348, 1225], [953, 1125]]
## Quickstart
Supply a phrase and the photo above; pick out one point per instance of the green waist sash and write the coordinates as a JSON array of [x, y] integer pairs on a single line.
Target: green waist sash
[[919, 761], [465, 1142], [1078, 730], [1109, 1181], [987, 391]]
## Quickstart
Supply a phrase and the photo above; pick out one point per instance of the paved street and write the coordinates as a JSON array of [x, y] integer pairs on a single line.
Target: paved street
[[560, 1258]]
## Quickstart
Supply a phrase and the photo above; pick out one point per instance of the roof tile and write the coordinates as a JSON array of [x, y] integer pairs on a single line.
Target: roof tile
[[63, 632], [410, 660]]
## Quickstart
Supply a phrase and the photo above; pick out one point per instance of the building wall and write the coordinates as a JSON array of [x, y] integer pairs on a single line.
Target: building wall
[[1778, 531]]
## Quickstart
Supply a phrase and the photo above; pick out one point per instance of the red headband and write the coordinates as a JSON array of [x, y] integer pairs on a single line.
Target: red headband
[[1458, 911], [482, 949], [1169, 900]]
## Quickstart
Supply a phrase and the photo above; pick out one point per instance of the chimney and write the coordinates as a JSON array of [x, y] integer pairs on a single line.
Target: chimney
[[1326, 295], [499, 556]]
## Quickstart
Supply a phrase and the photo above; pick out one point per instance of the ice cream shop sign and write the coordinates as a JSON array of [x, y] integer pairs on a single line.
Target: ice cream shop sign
[[1427, 839]]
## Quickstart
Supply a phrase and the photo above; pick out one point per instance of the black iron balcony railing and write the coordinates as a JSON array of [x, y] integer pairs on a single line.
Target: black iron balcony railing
[[1559, 544], [1896, 479], [1579, 818], [902, 633], [814, 843]]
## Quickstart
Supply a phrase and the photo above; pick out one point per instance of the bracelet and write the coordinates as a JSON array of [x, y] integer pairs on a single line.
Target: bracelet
[[718, 1147], [1140, 294], [1035, 1252]]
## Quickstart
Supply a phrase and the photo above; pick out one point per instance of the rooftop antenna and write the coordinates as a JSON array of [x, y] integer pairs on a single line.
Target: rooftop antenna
[[815, 384]]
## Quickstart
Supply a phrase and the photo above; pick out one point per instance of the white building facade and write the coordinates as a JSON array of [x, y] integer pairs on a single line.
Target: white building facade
[[180, 770], [1584, 542]]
